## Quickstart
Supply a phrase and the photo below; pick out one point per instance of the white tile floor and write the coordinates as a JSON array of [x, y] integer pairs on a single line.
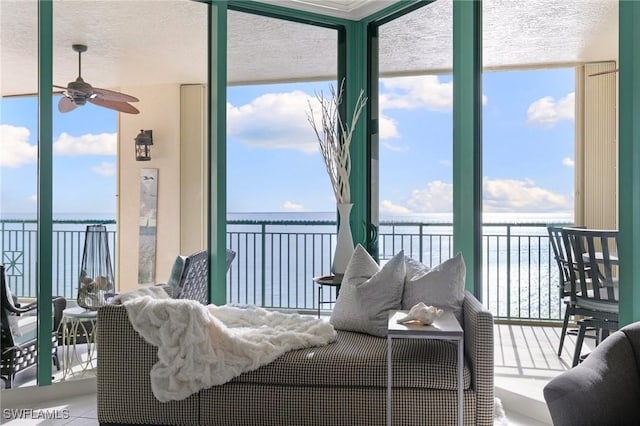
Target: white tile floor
[[525, 360]]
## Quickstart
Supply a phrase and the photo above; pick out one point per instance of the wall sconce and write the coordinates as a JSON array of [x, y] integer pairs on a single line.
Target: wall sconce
[[144, 140]]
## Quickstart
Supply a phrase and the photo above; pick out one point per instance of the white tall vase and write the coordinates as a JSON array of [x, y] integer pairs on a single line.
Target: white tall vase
[[344, 244]]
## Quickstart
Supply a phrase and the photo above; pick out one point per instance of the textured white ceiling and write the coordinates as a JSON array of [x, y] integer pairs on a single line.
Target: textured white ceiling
[[138, 42]]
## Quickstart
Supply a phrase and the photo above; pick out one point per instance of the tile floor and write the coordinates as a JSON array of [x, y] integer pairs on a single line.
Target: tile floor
[[525, 360]]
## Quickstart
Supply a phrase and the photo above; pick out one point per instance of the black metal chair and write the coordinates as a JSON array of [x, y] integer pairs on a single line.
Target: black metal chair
[[20, 349], [564, 275], [194, 279], [594, 282], [555, 239]]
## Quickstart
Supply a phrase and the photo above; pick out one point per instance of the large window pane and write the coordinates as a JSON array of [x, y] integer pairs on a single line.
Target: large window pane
[[415, 134], [280, 202]]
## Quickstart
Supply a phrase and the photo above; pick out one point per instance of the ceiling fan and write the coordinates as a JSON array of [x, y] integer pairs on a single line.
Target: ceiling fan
[[78, 92]]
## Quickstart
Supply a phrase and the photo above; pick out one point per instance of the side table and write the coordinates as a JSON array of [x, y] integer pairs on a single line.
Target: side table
[[446, 327], [73, 325], [327, 280]]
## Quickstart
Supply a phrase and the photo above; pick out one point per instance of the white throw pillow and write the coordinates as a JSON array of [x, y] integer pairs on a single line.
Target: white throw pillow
[[368, 292], [441, 286]]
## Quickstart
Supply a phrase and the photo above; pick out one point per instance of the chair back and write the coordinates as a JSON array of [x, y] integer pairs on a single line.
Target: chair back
[[595, 253], [560, 256], [5, 310], [194, 282]]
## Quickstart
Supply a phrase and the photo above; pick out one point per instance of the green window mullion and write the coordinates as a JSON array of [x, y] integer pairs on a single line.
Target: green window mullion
[[467, 138], [45, 189], [629, 158], [352, 64], [217, 148]]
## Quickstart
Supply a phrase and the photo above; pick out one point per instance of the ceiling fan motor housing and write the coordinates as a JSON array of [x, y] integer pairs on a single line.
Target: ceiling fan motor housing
[[79, 91]]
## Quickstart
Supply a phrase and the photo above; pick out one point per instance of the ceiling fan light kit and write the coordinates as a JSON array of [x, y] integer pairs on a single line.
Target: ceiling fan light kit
[[79, 92]]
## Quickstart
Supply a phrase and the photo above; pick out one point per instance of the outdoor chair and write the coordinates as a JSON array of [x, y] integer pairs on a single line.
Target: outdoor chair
[[594, 281], [20, 344], [190, 275], [560, 256]]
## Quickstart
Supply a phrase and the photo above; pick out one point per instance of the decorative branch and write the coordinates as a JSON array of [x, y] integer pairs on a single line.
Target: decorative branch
[[334, 137]]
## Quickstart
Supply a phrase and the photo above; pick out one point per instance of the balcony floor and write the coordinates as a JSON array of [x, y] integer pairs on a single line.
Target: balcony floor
[[525, 360]]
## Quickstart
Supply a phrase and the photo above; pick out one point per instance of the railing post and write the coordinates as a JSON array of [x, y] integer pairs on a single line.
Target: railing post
[[420, 244], [508, 271], [264, 262]]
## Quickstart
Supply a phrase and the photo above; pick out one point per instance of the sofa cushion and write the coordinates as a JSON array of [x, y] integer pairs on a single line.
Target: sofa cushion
[[441, 286], [368, 292], [360, 360]]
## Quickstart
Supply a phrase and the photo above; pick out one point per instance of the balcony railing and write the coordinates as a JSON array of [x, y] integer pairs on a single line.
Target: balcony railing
[[277, 259]]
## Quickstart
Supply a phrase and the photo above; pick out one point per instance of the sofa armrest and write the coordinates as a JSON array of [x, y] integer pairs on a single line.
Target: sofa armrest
[[478, 348], [125, 361], [604, 389]]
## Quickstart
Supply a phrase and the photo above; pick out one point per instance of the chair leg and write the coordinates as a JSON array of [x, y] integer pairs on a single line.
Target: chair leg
[[565, 324], [56, 360], [7, 381], [576, 354]]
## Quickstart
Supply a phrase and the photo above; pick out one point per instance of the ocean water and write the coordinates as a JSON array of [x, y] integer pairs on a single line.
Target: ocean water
[[275, 262]]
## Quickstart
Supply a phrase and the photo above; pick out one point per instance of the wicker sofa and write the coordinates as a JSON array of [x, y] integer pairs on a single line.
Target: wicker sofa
[[343, 383]]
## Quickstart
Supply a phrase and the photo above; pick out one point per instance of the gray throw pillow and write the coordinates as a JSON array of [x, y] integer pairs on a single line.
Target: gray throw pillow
[[368, 292], [441, 286]]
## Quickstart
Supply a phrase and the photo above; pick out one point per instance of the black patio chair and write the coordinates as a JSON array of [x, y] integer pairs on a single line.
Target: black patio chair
[[564, 275], [20, 349], [594, 281], [193, 283]]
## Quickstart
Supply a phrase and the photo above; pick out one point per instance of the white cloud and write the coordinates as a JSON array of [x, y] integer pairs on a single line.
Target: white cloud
[[393, 147], [87, 144], [547, 111], [500, 195], [15, 150], [105, 168], [521, 195], [445, 163], [426, 91], [275, 120], [33, 198], [436, 197], [293, 207], [389, 208], [416, 92], [568, 162], [388, 127]]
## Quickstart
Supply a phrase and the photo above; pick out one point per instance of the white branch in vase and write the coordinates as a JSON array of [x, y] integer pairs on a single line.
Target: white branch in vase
[[334, 138]]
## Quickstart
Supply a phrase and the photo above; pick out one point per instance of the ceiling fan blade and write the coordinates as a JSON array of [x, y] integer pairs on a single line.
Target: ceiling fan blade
[[66, 105], [603, 72], [118, 106], [110, 95], [59, 87]]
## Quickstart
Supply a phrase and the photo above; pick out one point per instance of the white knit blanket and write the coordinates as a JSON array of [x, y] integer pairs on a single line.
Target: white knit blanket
[[202, 346]]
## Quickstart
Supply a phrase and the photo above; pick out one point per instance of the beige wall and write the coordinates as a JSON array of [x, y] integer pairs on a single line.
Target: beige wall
[[159, 111], [176, 114], [193, 172], [596, 162]]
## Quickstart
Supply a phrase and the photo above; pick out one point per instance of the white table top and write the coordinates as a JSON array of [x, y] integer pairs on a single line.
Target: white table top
[[79, 312], [444, 326]]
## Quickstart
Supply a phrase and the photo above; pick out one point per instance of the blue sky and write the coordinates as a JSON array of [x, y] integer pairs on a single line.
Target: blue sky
[[274, 164]]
